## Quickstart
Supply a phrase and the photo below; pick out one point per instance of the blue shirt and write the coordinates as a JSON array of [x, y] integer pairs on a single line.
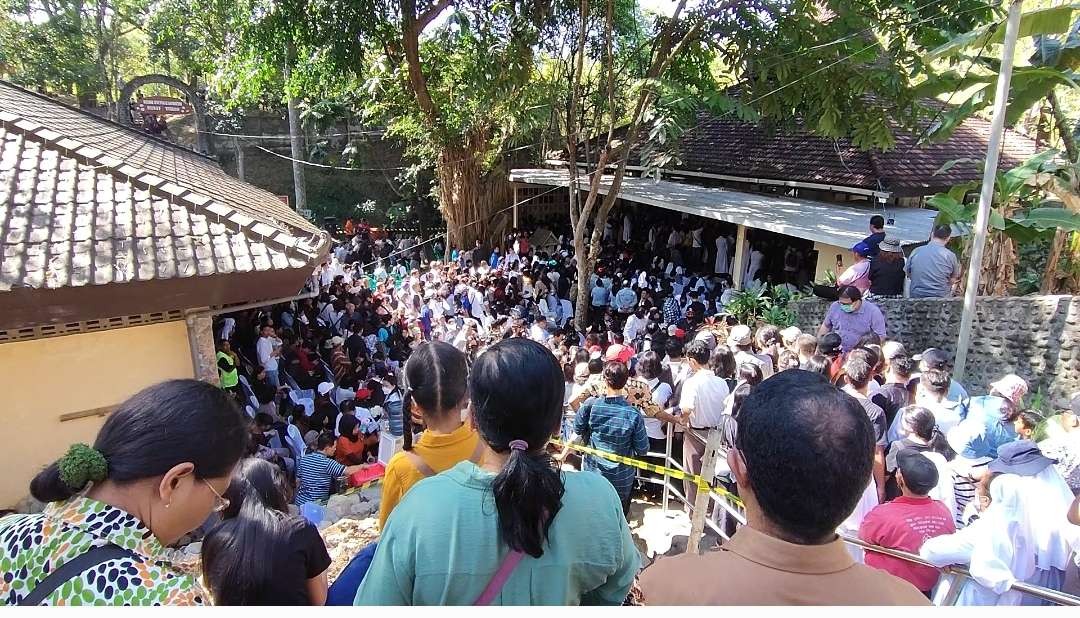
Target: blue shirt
[[984, 429], [443, 543], [601, 297], [315, 473], [614, 426]]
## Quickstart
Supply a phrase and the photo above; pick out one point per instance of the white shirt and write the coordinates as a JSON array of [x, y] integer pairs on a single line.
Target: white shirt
[[265, 348], [228, 325], [634, 327], [538, 333], [703, 393], [661, 392], [763, 361]]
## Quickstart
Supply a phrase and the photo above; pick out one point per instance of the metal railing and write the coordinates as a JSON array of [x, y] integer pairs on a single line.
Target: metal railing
[[699, 519]]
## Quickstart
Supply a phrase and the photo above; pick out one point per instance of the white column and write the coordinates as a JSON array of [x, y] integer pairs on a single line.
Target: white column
[[997, 126], [740, 258], [515, 206]]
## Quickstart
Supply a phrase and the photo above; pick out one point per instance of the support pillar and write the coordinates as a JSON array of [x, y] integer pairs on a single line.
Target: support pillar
[[515, 207], [740, 258], [200, 328]]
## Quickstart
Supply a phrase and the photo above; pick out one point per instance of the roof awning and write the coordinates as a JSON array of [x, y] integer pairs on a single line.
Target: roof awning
[[832, 224]]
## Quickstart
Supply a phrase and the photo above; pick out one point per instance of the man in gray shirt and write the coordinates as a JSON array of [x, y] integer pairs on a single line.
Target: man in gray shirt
[[933, 268]]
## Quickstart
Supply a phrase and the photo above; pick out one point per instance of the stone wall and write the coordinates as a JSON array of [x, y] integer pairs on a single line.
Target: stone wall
[[1034, 337]]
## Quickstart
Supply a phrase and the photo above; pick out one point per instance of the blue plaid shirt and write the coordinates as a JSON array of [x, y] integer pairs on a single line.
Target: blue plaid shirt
[[614, 426], [672, 310]]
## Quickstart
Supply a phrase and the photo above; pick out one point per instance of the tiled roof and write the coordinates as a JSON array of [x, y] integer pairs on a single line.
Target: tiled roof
[[84, 201], [735, 148]]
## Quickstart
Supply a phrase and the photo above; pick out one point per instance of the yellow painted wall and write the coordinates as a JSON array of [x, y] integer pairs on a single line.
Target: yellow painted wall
[[45, 378], [827, 259]]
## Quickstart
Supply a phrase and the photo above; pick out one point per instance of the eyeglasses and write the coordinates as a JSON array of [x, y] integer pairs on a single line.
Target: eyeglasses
[[222, 502]]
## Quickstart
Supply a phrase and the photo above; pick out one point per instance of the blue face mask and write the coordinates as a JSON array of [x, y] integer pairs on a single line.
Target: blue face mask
[[847, 308]]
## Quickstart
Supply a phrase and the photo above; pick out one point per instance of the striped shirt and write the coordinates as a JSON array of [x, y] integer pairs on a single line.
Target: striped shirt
[[315, 473], [614, 426]]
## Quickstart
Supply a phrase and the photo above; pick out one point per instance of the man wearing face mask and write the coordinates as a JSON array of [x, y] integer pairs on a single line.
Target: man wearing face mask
[[851, 317]]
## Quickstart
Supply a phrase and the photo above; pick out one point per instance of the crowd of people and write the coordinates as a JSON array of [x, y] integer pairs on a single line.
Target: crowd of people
[[466, 368]]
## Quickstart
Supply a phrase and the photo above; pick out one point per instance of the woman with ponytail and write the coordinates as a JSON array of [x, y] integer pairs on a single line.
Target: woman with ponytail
[[920, 432], [436, 377], [159, 466], [513, 529], [259, 554]]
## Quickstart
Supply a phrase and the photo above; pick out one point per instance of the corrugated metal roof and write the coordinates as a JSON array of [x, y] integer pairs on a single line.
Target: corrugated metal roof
[[84, 201]]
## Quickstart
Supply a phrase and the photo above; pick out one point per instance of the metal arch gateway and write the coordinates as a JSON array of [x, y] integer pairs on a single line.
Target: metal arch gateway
[[197, 103]]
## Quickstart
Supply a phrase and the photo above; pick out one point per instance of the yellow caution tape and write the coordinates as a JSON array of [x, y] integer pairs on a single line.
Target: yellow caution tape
[[674, 473]]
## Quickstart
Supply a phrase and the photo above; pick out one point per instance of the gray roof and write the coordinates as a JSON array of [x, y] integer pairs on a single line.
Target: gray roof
[[832, 224], [85, 201]]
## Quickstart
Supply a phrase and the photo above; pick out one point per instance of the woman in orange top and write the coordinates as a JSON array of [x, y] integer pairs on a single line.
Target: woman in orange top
[[351, 443], [436, 377]]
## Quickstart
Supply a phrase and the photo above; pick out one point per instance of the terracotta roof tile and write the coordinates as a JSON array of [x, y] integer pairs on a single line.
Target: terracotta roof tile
[[724, 146], [86, 202]]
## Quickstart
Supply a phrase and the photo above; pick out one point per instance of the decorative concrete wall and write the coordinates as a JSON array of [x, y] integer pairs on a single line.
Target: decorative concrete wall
[[1034, 337]]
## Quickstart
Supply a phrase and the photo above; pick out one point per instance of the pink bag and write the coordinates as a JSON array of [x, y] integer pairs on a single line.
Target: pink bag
[[498, 580]]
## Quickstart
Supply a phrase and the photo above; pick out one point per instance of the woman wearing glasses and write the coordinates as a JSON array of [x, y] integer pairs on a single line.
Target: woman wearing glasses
[[160, 464]]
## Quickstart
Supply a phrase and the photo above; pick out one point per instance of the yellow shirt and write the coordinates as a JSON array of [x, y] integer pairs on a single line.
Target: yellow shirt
[[439, 451]]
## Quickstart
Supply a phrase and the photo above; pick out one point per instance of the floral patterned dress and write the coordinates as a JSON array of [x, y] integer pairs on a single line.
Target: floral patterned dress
[[31, 546]]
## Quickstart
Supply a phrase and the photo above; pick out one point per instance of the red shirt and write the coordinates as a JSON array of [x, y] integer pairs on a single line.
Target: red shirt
[[905, 524]]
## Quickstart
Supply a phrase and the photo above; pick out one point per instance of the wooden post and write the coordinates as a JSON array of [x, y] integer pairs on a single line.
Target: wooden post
[[740, 257], [701, 504], [239, 158]]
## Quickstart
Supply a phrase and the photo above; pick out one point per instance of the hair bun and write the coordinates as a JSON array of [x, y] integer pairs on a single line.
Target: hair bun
[[82, 464]]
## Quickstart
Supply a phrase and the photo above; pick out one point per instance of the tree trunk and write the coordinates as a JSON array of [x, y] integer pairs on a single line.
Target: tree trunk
[[1063, 128], [469, 196], [585, 267]]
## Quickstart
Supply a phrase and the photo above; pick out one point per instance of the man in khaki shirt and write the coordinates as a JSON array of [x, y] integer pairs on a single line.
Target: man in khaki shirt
[[804, 450]]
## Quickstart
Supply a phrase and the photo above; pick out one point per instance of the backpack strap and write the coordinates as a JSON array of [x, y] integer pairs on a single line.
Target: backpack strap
[[498, 580], [477, 452], [73, 568]]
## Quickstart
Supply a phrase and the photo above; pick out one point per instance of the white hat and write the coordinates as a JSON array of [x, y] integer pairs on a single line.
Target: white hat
[[325, 387], [790, 333], [739, 335], [336, 341]]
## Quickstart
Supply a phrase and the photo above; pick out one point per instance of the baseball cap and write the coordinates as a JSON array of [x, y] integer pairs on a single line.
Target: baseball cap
[[935, 358], [619, 352], [325, 387], [739, 335], [862, 249], [920, 474], [1021, 457], [1012, 387], [791, 333], [362, 394]]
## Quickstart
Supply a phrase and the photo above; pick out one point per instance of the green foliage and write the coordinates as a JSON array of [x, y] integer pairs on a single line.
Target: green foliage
[[765, 304], [1054, 20]]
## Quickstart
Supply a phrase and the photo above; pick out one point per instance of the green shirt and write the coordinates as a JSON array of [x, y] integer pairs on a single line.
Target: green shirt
[[442, 545]]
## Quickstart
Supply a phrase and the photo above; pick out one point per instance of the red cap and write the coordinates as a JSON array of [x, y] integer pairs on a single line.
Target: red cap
[[362, 394], [621, 353]]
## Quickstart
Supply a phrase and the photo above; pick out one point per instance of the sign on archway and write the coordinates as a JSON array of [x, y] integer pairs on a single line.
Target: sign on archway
[[162, 105]]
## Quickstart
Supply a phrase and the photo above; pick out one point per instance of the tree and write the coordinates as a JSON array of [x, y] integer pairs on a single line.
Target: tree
[[451, 78], [863, 58]]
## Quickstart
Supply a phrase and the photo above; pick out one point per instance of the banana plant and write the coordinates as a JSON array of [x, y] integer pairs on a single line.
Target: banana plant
[[1054, 63], [1019, 214]]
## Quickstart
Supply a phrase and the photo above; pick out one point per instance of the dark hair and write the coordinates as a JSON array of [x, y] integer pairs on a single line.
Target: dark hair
[[808, 449], [818, 363], [829, 344], [596, 365], [141, 438], [238, 552], [615, 374], [750, 374], [869, 339], [859, 367], [324, 440], [347, 426], [924, 425], [738, 398], [528, 491], [262, 419], [877, 221], [435, 376], [722, 362], [649, 366], [851, 293], [698, 351], [674, 348], [902, 366], [1030, 418], [942, 232]]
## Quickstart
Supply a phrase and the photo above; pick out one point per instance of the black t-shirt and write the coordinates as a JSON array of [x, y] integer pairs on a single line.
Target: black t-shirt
[[887, 278], [890, 398], [302, 557]]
